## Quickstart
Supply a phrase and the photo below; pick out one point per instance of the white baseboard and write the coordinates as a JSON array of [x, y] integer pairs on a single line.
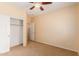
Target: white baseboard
[[4, 51], [58, 46]]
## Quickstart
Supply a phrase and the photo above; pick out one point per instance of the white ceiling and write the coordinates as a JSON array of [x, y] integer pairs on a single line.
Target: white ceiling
[[37, 11]]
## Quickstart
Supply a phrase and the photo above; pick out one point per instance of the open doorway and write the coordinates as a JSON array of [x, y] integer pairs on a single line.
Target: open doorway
[[31, 31]]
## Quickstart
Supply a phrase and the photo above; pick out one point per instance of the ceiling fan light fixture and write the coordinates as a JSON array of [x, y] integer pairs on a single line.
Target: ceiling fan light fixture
[[37, 5]]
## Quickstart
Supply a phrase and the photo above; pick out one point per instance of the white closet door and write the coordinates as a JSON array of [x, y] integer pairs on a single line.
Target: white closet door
[[16, 32], [4, 33]]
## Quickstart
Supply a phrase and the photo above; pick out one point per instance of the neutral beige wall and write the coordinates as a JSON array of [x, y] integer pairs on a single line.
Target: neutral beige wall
[[77, 30], [57, 28], [14, 11]]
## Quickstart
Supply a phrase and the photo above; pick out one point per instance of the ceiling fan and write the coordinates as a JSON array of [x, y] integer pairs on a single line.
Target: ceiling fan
[[39, 5]]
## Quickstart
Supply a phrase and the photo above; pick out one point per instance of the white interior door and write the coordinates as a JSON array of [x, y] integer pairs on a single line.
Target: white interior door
[[16, 28], [32, 31], [4, 33]]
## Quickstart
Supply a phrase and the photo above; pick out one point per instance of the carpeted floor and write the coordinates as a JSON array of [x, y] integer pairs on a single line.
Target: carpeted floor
[[38, 49]]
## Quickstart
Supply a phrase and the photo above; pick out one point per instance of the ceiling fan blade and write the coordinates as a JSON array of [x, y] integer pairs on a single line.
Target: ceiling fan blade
[[41, 8], [31, 2], [32, 7], [44, 3]]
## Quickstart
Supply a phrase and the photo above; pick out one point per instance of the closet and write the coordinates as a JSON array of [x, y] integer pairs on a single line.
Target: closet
[[11, 32], [16, 31]]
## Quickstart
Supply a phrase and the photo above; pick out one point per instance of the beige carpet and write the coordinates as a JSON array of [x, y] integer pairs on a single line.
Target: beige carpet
[[38, 49]]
